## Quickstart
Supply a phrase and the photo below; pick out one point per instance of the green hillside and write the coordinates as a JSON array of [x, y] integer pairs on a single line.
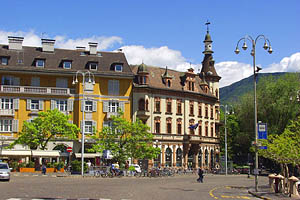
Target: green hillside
[[231, 93]]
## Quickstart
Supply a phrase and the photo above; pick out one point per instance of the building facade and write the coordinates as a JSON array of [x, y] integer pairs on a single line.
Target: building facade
[[35, 79], [182, 111]]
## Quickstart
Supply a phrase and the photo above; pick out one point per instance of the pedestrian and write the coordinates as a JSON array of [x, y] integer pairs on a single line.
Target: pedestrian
[[200, 174], [44, 169]]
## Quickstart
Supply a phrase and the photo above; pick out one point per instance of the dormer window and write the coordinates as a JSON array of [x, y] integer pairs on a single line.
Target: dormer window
[[4, 61], [67, 64], [93, 66], [169, 83], [40, 63], [118, 68]]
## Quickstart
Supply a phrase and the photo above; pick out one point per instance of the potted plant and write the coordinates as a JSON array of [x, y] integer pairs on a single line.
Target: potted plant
[[14, 165], [50, 167], [27, 167]]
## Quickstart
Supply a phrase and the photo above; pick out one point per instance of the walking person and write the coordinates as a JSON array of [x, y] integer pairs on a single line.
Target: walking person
[[44, 169], [200, 174]]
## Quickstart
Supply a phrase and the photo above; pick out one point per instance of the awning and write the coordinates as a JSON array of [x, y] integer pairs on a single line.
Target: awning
[[38, 153], [15, 153], [35, 153], [88, 155]]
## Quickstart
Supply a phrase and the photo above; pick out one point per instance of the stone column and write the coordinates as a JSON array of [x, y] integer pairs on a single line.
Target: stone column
[[174, 156]]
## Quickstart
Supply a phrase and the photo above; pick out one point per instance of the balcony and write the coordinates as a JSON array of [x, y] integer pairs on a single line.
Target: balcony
[[34, 90], [7, 112], [143, 114], [109, 114]]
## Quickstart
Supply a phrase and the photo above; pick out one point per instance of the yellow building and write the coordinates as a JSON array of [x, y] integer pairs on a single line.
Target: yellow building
[[35, 79]]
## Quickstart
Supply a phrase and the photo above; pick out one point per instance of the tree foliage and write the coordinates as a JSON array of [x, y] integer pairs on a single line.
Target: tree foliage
[[126, 140], [47, 126]]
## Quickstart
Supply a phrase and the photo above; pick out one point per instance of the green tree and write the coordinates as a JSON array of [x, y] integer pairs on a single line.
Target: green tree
[[126, 140], [47, 126]]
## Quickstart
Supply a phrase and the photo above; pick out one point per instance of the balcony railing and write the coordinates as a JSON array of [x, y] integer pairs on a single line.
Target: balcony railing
[[10, 112], [34, 90]]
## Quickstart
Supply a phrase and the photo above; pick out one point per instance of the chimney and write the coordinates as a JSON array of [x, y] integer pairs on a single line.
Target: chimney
[[15, 43], [48, 45], [93, 48]]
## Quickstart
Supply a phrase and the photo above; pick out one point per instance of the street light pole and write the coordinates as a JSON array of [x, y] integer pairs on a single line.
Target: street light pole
[[83, 109], [225, 119], [256, 69]]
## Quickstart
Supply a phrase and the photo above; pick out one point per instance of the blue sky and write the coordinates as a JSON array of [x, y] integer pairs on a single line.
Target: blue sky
[[166, 32]]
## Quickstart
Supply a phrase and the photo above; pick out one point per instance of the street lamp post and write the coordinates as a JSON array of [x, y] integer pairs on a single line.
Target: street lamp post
[[256, 69], [226, 111], [89, 74]]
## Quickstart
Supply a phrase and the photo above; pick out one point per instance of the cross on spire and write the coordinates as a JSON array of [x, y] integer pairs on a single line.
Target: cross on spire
[[207, 23]]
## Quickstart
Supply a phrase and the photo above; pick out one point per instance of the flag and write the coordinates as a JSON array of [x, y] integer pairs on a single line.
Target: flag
[[193, 126]]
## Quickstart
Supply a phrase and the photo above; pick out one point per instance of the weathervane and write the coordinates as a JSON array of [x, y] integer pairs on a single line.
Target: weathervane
[[207, 23]]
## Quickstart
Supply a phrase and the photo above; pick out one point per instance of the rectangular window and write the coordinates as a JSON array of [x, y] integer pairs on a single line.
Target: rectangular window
[[157, 127], [93, 66], [179, 129], [113, 106], [4, 61], [157, 106], [169, 128], [88, 127], [113, 87], [40, 63], [61, 105], [179, 107], [6, 104], [199, 109], [67, 64], [34, 104], [10, 80], [118, 68], [192, 109], [35, 81], [169, 107], [88, 106], [5, 125], [62, 82]]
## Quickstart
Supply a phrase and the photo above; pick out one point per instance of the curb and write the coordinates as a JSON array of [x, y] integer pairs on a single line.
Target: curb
[[259, 196]]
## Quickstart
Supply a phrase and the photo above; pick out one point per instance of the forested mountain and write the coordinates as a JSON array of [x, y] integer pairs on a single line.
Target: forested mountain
[[231, 93]]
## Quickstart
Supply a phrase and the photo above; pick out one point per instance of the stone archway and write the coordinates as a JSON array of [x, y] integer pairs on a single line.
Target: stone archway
[[168, 162]]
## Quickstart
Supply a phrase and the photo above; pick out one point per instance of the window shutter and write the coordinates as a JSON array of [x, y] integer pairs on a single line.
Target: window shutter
[[105, 106], [94, 106], [28, 104], [110, 87], [82, 105], [116, 87], [70, 105], [81, 126], [52, 106], [15, 104], [15, 125], [122, 106], [41, 104], [95, 126]]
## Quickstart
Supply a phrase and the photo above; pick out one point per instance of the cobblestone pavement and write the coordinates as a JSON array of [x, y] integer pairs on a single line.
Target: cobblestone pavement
[[62, 186]]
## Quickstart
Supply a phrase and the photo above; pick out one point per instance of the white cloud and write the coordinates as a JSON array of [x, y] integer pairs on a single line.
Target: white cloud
[[287, 64], [161, 57], [232, 71], [33, 39]]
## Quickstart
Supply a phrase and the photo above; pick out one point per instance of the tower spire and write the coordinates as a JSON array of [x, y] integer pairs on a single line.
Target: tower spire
[[207, 23]]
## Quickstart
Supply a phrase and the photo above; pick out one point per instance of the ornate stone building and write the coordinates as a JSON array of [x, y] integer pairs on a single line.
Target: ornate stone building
[[182, 111]]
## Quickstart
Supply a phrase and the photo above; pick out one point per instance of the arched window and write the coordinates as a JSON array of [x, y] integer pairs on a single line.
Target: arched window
[[200, 128], [157, 104], [212, 162], [147, 105], [200, 158], [179, 107], [199, 109], [179, 126], [192, 108], [206, 129], [169, 125], [142, 104], [169, 105], [168, 157], [179, 157], [206, 157], [157, 124]]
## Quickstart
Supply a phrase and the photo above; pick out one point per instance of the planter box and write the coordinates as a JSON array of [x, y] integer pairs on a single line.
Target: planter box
[[50, 170], [61, 170], [25, 169]]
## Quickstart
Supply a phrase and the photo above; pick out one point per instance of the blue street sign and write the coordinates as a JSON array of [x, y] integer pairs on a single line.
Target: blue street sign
[[263, 147], [262, 131]]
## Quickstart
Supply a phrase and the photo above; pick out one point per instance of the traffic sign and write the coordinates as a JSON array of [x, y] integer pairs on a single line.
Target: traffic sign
[[262, 130], [69, 149]]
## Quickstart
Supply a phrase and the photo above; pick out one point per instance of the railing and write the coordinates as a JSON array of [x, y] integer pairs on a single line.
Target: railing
[[10, 112], [34, 90]]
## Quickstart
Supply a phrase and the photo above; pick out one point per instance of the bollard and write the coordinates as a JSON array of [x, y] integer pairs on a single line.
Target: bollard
[[293, 187], [278, 183], [271, 180]]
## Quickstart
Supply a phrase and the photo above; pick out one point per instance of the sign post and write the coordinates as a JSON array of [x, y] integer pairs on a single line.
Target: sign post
[[69, 150], [262, 133]]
